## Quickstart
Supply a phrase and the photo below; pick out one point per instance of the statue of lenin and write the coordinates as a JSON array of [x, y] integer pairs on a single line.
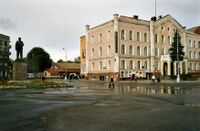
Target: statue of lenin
[[19, 48]]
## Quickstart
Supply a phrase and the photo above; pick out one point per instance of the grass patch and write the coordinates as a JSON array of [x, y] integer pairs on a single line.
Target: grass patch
[[35, 84]]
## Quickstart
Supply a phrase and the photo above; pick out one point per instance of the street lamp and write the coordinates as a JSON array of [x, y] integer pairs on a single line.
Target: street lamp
[[66, 63], [178, 75]]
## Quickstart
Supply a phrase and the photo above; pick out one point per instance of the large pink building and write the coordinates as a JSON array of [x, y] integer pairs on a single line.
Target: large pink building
[[128, 46]]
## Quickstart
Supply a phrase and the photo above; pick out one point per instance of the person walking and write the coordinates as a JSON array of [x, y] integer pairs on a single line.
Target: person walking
[[111, 84], [153, 78]]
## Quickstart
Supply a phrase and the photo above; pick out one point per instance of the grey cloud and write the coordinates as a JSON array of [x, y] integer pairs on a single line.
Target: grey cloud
[[7, 24]]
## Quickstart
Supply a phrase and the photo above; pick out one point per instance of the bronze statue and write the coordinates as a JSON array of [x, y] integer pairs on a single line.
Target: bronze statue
[[19, 48]]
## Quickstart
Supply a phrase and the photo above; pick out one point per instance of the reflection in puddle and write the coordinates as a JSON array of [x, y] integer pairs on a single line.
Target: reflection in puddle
[[157, 90]]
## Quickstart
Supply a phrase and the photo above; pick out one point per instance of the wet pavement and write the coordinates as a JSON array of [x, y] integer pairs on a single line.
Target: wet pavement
[[92, 106]]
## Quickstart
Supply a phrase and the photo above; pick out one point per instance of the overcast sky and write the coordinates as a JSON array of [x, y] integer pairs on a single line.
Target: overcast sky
[[57, 24]]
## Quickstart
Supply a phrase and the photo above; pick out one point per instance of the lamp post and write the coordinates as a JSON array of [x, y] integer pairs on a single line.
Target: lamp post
[[178, 75], [66, 63]]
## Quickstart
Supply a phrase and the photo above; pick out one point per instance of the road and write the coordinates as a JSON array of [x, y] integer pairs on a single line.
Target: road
[[92, 106]]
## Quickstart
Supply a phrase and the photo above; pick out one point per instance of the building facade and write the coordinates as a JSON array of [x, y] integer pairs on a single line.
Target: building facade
[[83, 56], [5, 70], [128, 46]]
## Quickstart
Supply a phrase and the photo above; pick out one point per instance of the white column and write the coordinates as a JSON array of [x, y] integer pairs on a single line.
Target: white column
[[161, 68], [152, 52], [117, 61], [87, 49]]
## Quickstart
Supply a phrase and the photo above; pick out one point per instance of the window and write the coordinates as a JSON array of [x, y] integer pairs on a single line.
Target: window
[[145, 37], [130, 35], [190, 43], [157, 65], [138, 51], [83, 53], [109, 65], [92, 65], [145, 65], [92, 52], [194, 44], [145, 51], [92, 39], [169, 40], [101, 65], [100, 38], [100, 51], [195, 55], [123, 49], [156, 52], [138, 36], [108, 35], [131, 64], [123, 64], [108, 51], [163, 39], [131, 50], [138, 64], [123, 34], [199, 44], [190, 54], [199, 55], [163, 51], [156, 38]]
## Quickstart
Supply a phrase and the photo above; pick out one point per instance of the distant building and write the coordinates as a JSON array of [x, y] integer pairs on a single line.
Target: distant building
[[127, 46], [83, 56], [60, 69], [5, 69]]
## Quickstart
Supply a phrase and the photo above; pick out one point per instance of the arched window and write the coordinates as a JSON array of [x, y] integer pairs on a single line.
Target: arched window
[[163, 39], [108, 35], [92, 52], [123, 64], [108, 52], [138, 51], [123, 49], [145, 51], [156, 52], [145, 65], [109, 65], [130, 35], [100, 51], [169, 40], [100, 38], [123, 34], [101, 65], [130, 50], [190, 55], [131, 64], [138, 64], [195, 55], [145, 37], [138, 36], [92, 65], [156, 38]]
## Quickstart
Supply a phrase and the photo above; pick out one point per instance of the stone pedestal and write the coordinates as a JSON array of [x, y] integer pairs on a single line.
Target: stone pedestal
[[19, 70]]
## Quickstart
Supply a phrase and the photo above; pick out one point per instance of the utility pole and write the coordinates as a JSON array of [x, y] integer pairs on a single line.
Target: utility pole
[[66, 63]]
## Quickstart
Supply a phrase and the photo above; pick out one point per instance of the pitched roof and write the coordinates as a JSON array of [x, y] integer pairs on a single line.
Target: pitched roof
[[195, 29], [67, 65]]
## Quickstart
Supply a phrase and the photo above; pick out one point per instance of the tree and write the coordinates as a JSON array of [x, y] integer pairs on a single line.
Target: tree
[[38, 60], [173, 49], [77, 59]]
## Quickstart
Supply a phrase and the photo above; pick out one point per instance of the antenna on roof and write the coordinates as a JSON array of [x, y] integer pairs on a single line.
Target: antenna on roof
[[155, 8]]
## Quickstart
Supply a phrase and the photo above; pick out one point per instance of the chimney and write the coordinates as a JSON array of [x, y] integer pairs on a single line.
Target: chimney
[[116, 16], [87, 27], [135, 17], [153, 18]]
